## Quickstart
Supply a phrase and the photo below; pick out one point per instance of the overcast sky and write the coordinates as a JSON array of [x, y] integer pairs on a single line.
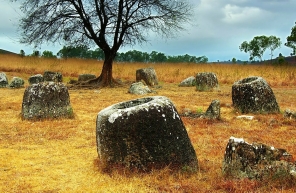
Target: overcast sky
[[218, 28]]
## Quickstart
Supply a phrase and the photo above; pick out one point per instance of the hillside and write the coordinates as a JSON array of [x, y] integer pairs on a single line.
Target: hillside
[[6, 52]]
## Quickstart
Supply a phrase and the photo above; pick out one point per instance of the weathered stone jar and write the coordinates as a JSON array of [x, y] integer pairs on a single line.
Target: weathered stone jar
[[144, 133], [148, 75], [46, 100], [254, 95], [206, 81], [3, 80], [53, 76]]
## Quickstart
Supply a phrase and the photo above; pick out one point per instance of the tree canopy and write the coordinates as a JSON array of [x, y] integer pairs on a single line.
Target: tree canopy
[[257, 46], [291, 40], [108, 24]]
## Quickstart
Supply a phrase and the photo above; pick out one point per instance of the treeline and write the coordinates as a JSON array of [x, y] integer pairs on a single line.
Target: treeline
[[129, 56]]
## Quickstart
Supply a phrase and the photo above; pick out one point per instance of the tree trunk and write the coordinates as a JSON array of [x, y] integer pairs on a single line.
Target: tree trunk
[[106, 78]]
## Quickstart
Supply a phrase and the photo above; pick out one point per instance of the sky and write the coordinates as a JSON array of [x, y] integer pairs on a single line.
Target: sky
[[217, 29]]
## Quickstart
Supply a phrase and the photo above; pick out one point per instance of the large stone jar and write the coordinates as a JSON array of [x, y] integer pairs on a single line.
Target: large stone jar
[[46, 100], [144, 133], [206, 81], [254, 95]]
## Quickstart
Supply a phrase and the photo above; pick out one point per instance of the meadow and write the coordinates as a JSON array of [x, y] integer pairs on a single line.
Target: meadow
[[61, 155]]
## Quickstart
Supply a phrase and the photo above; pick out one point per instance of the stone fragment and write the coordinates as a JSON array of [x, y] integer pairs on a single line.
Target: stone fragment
[[3, 80], [190, 81], [16, 82], [53, 76], [256, 160], [213, 111], [36, 79], [254, 95], [145, 133], [46, 100], [248, 117], [85, 77], [148, 75], [139, 88], [290, 114], [206, 81]]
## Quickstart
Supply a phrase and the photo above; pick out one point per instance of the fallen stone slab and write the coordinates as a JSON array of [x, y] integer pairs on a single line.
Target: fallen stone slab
[[85, 77]]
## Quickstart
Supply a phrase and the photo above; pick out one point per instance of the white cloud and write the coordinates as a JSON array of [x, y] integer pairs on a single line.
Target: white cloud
[[234, 14]]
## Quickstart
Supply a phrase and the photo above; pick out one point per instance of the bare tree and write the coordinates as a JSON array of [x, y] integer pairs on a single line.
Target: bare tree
[[109, 24]]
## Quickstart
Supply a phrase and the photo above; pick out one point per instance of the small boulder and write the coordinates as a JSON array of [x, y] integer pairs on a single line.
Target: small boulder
[[254, 95], [206, 81], [3, 80], [213, 111], [16, 82], [46, 100], [53, 76], [256, 160], [139, 88], [145, 133], [247, 117], [36, 79], [290, 114], [85, 77], [190, 81], [148, 75]]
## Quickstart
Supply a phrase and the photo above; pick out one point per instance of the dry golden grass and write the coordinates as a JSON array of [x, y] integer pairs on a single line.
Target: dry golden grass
[[60, 155]]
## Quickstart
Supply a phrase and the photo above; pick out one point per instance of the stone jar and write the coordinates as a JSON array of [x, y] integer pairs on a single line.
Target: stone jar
[[144, 133]]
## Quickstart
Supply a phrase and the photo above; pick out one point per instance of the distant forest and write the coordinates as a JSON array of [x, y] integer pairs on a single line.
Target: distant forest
[[130, 56]]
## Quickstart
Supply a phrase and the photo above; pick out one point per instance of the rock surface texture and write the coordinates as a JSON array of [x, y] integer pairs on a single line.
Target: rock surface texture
[[3, 80], [254, 95], [139, 88], [190, 81], [53, 76], [144, 133], [148, 75], [16, 82], [256, 161], [206, 81], [36, 79], [46, 100]]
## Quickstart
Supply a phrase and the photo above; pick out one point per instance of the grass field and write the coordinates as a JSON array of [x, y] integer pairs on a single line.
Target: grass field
[[61, 155]]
